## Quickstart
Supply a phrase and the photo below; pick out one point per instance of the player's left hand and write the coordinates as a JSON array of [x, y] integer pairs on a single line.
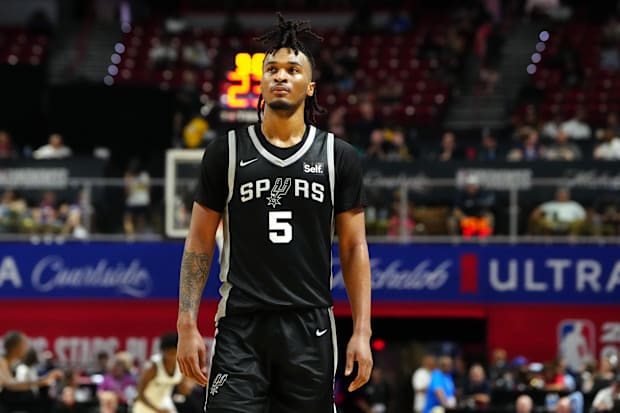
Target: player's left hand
[[358, 350]]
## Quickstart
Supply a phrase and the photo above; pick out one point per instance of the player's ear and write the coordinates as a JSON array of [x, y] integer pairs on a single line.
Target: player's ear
[[310, 89]]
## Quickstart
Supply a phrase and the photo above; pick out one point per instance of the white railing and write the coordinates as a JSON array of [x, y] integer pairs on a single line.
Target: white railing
[[408, 190]]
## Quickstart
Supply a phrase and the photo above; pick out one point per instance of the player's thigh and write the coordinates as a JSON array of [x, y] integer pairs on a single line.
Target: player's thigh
[[237, 381], [304, 382]]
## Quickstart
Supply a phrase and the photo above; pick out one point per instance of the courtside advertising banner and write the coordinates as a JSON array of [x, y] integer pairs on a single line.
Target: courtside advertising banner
[[77, 299]]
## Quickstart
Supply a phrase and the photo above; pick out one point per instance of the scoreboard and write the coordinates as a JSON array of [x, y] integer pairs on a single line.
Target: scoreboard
[[240, 89]]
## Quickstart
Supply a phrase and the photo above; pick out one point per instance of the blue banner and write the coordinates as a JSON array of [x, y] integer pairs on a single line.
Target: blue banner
[[400, 273]]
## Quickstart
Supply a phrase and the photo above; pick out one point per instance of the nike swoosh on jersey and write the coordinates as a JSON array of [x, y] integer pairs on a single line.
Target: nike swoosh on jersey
[[319, 333], [246, 163]]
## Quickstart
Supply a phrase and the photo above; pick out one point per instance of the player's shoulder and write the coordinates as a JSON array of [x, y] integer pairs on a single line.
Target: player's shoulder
[[343, 147], [219, 145]]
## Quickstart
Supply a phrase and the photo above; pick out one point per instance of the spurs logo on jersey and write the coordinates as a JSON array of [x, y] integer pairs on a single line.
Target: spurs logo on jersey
[[278, 191], [302, 188]]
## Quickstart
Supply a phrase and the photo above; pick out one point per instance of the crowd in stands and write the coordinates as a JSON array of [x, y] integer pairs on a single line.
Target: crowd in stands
[[444, 384], [567, 113], [112, 383]]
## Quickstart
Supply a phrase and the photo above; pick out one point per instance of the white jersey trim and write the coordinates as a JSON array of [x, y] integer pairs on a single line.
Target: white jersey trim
[[225, 253], [331, 169], [332, 322], [274, 159]]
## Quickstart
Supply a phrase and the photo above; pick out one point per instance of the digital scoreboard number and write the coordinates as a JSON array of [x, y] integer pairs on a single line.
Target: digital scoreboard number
[[240, 90]]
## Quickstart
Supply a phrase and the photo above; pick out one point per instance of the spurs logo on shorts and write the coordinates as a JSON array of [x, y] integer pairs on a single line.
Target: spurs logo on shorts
[[218, 382]]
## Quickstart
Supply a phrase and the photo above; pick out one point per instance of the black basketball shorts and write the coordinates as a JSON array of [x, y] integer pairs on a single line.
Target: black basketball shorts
[[274, 362]]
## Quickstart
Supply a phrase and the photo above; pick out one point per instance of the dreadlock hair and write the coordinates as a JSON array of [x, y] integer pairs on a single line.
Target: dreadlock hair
[[287, 35]]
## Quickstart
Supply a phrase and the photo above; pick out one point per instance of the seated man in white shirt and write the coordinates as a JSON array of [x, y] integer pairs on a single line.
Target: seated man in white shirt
[[55, 149], [561, 216], [577, 128], [609, 148], [608, 398]]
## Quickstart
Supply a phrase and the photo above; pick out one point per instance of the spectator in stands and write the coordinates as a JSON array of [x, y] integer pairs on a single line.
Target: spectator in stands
[[118, 388], [368, 124], [162, 54], [489, 150], [499, 369], [195, 55], [14, 214], [449, 150], [337, 123], [15, 348], [611, 122], [71, 394], [529, 150], [477, 390], [441, 391], [54, 149], [473, 210], [101, 364], [564, 406], [606, 214], [398, 149], [524, 404], [608, 398], [377, 148], [27, 370], [609, 148], [551, 127], [72, 216], [605, 374], [188, 96], [561, 216], [577, 127], [45, 215], [562, 149], [586, 377], [554, 377], [7, 151], [420, 381], [137, 198], [519, 374]]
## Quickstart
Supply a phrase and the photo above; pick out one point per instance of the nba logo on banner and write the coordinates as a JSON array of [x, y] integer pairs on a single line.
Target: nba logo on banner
[[576, 340]]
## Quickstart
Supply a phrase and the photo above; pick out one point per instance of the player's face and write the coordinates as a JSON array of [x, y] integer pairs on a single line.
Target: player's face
[[287, 80]]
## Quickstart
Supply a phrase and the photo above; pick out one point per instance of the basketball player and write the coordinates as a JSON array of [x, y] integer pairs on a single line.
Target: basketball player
[[282, 187], [159, 379]]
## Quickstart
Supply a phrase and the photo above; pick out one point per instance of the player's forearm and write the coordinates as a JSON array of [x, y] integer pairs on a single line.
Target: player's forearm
[[356, 272], [195, 266]]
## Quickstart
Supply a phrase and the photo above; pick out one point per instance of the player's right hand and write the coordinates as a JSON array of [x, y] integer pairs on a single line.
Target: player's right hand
[[192, 355]]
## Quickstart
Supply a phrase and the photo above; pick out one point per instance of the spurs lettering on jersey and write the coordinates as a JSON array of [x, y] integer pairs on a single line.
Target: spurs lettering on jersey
[[302, 188]]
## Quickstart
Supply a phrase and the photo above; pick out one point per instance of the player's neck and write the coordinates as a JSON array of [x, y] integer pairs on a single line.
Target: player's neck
[[283, 130]]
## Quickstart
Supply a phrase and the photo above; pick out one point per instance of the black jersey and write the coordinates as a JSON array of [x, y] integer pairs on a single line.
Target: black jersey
[[278, 207]]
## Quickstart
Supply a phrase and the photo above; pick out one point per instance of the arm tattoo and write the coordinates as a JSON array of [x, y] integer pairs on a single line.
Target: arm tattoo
[[194, 273]]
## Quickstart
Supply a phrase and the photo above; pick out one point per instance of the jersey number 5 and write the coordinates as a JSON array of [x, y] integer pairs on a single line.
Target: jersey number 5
[[280, 230]]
